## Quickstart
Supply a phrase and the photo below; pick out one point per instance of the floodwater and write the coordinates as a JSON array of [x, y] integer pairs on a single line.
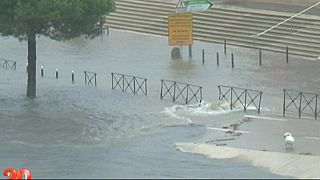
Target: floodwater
[[78, 131]]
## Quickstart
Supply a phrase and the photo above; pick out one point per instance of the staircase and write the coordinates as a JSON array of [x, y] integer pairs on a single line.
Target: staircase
[[237, 27]]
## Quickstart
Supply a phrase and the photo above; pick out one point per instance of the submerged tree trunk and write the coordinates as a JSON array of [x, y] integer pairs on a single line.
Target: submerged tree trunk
[[31, 86]]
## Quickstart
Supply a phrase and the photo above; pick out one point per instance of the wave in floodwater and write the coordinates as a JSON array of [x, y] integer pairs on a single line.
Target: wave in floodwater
[[199, 109]]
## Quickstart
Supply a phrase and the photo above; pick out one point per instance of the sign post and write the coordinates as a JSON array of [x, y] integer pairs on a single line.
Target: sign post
[[180, 23]]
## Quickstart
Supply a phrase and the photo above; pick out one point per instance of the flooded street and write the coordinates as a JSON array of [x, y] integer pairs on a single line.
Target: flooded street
[[78, 131]]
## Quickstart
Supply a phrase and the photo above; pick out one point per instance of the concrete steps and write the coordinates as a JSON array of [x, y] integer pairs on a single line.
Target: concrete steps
[[302, 35]]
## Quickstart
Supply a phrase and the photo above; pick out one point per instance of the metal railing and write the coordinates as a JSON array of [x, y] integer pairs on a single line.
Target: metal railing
[[183, 91], [245, 97], [90, 78], [133, 83], [8, 64], [288, 19], [303, 103]]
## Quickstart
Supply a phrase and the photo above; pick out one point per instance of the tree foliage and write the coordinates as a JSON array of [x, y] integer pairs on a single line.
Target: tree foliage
[[57, 19]]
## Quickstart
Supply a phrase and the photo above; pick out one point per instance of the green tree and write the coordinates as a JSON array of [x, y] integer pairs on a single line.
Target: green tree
[[57, 19]]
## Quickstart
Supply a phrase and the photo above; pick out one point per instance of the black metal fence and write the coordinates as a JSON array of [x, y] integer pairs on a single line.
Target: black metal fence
[[90, 78], [133, 83], [8, 64], [303, 103], [244, 97], [183, 91]]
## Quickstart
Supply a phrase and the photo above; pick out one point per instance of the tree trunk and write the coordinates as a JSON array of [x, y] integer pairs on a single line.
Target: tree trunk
[[31, 86]]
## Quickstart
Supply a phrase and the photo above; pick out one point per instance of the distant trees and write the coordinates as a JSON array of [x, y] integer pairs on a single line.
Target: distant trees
[[57, 19]]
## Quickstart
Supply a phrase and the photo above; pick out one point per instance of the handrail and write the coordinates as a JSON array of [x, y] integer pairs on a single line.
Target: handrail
[[301, 12]]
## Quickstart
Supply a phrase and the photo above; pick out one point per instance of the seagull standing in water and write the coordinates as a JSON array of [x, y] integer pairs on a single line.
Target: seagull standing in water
[[288, 139]]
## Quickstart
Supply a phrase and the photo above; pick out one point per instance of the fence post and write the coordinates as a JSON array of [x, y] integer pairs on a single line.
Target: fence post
[[85, 77], [245, 100], [217, 58], [190, 51], [57, 75], [219, 93], [134, 84], [300, 105], [316, 108], [225, 47], [122, 82], [202, 56], [174, 91], [232, 60], [260, 102], [260, 57], [200, 94], [187, 94], [95, 79], [146, 87], [161, 88], [72, 76], [231, 99], [284, 102], [41, 71], [107, 31], [112, 80], [287, 54]]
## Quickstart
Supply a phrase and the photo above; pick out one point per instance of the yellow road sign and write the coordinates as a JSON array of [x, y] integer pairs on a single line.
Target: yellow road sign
[[180, 29]]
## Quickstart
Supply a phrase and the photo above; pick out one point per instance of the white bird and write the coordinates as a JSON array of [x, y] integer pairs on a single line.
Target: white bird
[[288, 139]]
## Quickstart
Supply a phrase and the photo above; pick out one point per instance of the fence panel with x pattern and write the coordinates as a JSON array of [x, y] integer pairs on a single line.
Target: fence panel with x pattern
[[244, 97], [8, 64], [90, 78], [253, 98], [291, 101], [238, 95], [308, 104], [180, 91], [196, 93], [133, 83], [184, 92], [224, 93], [140, 85], [303, 103]]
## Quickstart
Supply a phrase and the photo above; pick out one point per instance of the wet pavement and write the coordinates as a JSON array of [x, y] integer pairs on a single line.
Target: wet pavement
[[265, 133]]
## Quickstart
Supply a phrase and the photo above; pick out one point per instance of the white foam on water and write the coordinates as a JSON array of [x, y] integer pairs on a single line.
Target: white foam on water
[[284, 164], [211, 108], [171, 112], [199, 109]]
